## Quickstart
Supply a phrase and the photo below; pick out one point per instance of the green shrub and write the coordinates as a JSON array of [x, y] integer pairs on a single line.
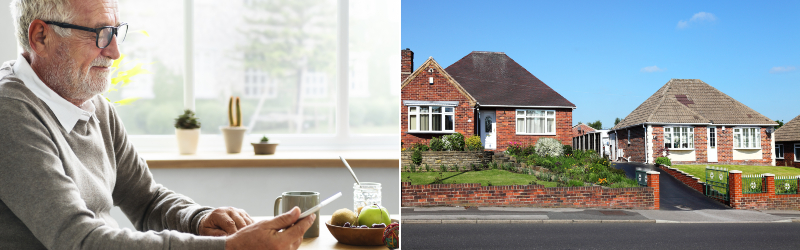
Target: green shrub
[[416, 158], [427, 168], [437, 144], [474, 143], [575, 183], [514, 148], [442, 168], [420, 147], [567, 149], [549, 147], [454, 142], [663, 161], [413, 168]]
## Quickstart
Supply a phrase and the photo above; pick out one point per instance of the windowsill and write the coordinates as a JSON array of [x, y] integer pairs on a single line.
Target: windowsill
[[754, 149], [681, 149], [534, 134], [356, 159]]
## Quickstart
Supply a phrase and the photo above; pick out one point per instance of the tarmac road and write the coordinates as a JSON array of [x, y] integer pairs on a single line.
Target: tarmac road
[[675, 196]]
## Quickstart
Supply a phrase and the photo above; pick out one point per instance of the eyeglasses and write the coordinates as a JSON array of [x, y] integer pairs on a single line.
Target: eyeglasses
[[104, 34]]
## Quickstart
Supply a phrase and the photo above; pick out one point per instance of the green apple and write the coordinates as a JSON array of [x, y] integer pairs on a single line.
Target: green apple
[[373, 214]]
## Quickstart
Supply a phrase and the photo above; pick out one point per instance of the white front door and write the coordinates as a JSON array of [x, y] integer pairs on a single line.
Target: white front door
[[712, 144], [488, 129]]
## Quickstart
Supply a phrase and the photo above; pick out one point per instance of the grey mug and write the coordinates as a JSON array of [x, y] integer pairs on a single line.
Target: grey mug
[[302, 199]]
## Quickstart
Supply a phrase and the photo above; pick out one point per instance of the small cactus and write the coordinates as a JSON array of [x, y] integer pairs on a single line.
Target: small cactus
[[234, 112]]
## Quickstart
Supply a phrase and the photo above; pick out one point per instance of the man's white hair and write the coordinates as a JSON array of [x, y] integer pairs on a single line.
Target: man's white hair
[[25, 11]]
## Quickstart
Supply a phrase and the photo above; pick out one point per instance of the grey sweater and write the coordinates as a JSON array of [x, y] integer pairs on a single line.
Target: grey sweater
[[57, 188]]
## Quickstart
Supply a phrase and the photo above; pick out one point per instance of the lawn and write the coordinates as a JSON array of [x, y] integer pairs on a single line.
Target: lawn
[[497, 177], [699, 171]]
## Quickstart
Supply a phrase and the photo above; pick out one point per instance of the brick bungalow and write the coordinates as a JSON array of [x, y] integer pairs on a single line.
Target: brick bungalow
[[787, 144], [697, 124], [486, 94]]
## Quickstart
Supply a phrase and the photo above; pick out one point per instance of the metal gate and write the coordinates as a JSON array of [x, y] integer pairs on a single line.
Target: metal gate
[[641, 177], [717, 183]]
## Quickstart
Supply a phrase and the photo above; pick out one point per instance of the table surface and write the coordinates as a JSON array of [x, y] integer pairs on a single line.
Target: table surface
[[282, 158], [325, 239]]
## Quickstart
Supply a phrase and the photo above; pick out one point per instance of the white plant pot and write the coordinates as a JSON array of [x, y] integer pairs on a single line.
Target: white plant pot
[[187, 140], [234, 138]]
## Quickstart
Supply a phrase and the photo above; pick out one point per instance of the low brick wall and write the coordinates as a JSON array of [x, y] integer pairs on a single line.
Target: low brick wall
[[763, 201], [448, 158], [689, 180], [529, 196]]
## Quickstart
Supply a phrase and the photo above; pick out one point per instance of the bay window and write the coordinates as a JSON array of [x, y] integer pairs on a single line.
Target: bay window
[[431, 119], [779, 151], [679, 137], [747, 138], [534, 121]]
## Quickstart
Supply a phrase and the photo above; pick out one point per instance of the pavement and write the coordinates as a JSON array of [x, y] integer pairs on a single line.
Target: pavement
[[445, 215]]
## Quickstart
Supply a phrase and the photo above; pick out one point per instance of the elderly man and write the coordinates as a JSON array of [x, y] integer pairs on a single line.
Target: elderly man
[[65, 160]]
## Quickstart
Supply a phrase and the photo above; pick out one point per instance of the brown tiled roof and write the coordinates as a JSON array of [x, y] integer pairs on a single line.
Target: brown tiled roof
[[790, 131], [692, 101], [585, 128], [493, 78]]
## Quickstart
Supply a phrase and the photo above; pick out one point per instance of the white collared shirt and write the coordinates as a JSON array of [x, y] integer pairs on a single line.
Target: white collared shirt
[[67, 113]]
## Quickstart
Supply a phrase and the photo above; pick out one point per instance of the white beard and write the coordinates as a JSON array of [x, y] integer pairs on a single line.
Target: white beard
[[72, 83]]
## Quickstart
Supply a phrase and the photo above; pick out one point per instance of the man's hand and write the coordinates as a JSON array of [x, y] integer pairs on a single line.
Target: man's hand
[[224, 221], [267, 234]]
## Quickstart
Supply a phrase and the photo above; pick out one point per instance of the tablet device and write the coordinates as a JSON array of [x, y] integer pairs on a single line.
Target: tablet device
[[320, 205]]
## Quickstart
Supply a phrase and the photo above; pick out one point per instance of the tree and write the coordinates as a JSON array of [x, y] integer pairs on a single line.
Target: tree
[[616, 121], [596, 125], [780, 124]]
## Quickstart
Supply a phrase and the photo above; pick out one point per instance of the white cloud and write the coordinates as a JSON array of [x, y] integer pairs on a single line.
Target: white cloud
[[697, 17], [776, 70], [651, 69]]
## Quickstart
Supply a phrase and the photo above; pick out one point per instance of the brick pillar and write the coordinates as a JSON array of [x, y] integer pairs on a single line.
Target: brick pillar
[[735, 188], [653, 182], [770, 180]]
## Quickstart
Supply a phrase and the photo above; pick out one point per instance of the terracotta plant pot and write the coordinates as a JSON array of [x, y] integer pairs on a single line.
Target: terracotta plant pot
[[187, 140], [264, 148], [234, 138]]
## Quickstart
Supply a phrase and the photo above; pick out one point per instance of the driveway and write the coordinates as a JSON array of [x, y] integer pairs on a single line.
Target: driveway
[[674, 194]]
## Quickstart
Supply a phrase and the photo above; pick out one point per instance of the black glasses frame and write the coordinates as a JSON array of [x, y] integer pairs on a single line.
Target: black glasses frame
[[94, 30]]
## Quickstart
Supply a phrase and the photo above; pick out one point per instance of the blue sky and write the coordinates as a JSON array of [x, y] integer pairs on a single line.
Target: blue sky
[[608, 57]]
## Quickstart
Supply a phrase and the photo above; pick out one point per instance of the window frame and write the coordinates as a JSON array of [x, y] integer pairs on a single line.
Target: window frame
[[739, 133], [797, 152], [779, 148], [443, 114], [527, 116], [669, 134]]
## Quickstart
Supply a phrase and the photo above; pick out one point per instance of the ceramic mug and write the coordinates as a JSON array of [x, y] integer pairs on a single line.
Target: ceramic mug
[[302, 199]]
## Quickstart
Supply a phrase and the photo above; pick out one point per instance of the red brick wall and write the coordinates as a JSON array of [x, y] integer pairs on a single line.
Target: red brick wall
[[526, 195], [788, 155], [658, 142], [418, 89], [507, 128], [634, 150], [762, 201], [725, 149]]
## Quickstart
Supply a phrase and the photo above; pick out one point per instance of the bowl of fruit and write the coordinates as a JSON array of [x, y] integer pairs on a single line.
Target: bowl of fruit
[[361, 228]]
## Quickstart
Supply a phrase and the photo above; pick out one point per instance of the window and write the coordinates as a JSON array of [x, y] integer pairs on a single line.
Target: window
[[534, 121], [779, 151], [291, 87], [679, 137], [797, 152], [431, 119], [712, 137], [747, 138]]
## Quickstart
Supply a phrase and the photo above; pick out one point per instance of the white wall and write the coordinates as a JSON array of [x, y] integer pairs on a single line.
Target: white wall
[[747, 154], [682, 155], [255, 189], [8, 44]]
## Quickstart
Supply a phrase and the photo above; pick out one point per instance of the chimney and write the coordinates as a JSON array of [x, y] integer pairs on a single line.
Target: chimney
[[406, 63]]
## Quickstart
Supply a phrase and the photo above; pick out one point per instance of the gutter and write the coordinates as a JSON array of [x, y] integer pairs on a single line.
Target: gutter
[[518, 106]]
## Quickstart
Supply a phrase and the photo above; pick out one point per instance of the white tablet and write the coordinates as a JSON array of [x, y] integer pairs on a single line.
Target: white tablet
[[321, 204]]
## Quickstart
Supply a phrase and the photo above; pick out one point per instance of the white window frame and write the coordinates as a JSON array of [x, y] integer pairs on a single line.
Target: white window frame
[[685, 133], [340, 139], [443, 113], [778, 151], [796, 151], [746, 138], [524, 115]]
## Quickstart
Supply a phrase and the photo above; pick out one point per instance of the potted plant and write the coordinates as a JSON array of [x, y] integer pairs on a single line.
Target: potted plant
[[234, 132], [265, 147], [187, 130]]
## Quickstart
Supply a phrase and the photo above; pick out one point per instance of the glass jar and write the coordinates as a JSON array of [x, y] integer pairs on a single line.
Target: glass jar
[[367, 194]]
